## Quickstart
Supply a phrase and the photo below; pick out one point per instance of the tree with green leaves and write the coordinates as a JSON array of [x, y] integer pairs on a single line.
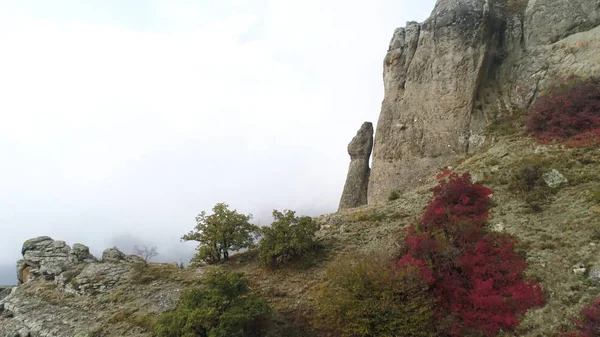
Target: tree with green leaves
[[221, 232], [221, 306], [287, 238]]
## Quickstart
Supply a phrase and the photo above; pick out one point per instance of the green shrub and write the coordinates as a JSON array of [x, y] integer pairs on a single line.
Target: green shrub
[[527, 182], [394, 195], [222, 306], [368, 295], [287, 238], [595, 194]]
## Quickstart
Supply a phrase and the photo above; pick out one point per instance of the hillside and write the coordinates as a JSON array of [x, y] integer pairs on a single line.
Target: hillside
[[557, 239], [458, 89]]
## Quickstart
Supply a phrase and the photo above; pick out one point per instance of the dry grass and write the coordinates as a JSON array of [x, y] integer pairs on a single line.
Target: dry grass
[[144, 273]]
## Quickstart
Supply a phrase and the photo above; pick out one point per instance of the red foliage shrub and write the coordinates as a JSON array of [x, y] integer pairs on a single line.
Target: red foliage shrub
[[424, 272], [569, 114], [456, 198], [588, 323], [476, 277]]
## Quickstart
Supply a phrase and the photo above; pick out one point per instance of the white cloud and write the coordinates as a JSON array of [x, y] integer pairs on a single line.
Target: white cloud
[[107, 130]]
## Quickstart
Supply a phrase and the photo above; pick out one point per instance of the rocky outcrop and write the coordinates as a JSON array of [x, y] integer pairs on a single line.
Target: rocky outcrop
[[46, 258], [357, 180], [66, 292], [112, 255], [472, 61], [4, 291]]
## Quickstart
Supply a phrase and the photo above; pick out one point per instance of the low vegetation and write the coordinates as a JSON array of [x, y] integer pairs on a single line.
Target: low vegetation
[[289, 237], [475, 275], [144, 273], [588, 322], [454, 276], [569, 114], [527, 181], [369, 295], [221, 306]]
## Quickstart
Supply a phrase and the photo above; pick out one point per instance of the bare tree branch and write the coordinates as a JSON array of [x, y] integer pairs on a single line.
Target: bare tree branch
[[145, 252]]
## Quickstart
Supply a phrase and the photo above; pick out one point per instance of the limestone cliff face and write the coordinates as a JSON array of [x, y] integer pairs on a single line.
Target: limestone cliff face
[[448, 78]]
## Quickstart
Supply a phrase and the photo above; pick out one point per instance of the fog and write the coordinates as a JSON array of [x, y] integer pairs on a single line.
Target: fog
[[121, 121]]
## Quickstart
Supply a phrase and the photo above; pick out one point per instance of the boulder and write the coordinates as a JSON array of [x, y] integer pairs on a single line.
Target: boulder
[[554, 179], [594, 276], [48, 258], [357, 180], [112, 255], [43, 257], [82, 253]]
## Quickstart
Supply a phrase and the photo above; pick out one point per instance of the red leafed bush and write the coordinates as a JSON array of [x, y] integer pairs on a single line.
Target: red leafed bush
[[476, 276], [456, 198], [569, 114], [424, 272], [588, 324]]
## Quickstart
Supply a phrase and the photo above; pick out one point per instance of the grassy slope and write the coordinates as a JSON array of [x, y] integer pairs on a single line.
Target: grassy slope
[[564, 233]]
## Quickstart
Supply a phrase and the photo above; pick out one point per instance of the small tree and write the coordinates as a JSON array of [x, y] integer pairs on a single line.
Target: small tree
[[145, 252], [223, 231], [222, 306], [288, 237]]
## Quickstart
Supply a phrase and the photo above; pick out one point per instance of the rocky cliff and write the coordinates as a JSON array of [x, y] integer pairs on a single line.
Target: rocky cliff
[[471, 62]]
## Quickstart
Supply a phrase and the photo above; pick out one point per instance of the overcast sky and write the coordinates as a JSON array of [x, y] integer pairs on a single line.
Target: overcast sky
[[122, 120]]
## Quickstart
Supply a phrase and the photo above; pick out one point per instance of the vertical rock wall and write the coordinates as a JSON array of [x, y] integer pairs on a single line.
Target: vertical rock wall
[[472, 61]]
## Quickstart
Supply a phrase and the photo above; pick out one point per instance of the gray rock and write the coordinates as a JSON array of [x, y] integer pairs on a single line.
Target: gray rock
[[82, 253], [35, 243], [554, 179], [97, 278], [112, 255], [43, 257], [357, 180], [4, 291], [579, 269], [594, 275], [548, 21], [134, 259], [499, 227], [470, 62]]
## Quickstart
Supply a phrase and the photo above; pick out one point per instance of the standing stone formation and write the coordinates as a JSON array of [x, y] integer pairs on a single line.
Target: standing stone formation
[[472, 61], [357, 181]]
